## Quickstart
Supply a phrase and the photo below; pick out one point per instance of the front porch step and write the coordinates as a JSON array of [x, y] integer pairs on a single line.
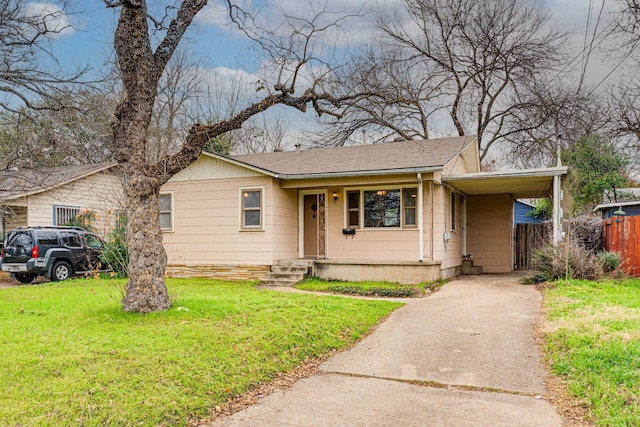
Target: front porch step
[[288, 272], [469, 269]]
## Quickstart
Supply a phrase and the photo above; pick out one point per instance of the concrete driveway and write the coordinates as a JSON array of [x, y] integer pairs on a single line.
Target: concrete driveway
[[464, 356]]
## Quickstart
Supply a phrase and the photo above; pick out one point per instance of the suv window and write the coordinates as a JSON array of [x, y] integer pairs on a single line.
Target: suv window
[[93, 241], [20, 239], [47, 237], [71, 239]]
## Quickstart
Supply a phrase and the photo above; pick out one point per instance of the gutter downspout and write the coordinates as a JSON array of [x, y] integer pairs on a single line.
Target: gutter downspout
[[420, 219]]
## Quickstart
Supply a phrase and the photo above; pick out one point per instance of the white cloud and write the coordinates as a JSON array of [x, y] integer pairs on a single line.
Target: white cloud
[[50, 18], [355, 18]]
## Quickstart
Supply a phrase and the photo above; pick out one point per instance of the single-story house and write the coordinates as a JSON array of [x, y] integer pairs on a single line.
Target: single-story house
[[54, 196], [409, 211]]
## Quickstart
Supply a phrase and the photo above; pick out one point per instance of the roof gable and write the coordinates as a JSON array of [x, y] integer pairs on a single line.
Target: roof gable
[[213, 166], [14, 184], [374, 159]]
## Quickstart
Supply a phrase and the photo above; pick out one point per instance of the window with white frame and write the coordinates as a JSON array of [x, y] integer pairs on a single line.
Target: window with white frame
[[409, 206], [64, 214], [353, 209], [251, 209], [382, 208], [453, 210], [165, 202]]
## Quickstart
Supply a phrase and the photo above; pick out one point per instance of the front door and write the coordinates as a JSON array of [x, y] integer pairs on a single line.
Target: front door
[[314, 218]]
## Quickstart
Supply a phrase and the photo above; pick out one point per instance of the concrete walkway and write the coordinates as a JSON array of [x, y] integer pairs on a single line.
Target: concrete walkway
[[464, 356]]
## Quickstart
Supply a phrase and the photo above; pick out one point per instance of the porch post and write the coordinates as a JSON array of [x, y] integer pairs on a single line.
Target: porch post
[[557, 211]]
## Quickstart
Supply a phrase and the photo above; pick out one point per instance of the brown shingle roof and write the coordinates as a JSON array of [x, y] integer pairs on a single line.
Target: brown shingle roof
[[375, 158]]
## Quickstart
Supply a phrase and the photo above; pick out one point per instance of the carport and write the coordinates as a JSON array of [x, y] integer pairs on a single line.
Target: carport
[[487, 210]]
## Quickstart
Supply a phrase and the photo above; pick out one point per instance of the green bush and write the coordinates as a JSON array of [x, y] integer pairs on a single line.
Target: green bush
[[114, 252], [610, 261]]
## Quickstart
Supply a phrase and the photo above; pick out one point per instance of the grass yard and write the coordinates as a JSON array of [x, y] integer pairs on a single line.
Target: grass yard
[[593, 341], [70, 356], [378, 289]]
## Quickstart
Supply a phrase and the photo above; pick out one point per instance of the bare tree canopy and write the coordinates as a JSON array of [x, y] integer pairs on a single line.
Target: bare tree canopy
[[142, 65], [29, 71], [465, 62]]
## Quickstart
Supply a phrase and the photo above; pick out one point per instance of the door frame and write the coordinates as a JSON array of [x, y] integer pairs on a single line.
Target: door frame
[[301, 194]]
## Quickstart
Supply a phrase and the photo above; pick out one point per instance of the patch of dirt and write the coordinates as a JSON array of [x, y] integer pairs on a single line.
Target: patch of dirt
[[7, 282], [573, 412]]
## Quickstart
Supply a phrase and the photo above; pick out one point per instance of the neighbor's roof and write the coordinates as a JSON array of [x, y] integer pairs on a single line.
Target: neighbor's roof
[[24, 182], [604, 206], [391, 157]]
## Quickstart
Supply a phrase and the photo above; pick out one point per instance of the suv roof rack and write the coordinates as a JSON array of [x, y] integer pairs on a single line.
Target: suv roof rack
[[57, 227]]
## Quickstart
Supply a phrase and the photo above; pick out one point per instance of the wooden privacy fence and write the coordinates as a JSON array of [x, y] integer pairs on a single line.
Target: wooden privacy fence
[[622, 235], [529, 238]]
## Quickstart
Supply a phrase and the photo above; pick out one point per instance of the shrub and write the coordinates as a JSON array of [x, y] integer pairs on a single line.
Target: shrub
[[85, 219], [568, 260], [610, 261], [114, 252]]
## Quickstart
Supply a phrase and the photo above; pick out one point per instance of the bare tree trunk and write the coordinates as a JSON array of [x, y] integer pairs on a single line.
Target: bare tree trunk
[[146, 290], [144, 173]]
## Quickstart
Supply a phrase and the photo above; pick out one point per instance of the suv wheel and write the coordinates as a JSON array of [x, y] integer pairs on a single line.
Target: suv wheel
[[61, 271], [25, 278]]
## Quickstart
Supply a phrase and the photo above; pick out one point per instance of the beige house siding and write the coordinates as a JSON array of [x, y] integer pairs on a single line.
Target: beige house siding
[[490, 232], [208, 167], [369, 244], [100, 192], [15, 216], [206, 223]]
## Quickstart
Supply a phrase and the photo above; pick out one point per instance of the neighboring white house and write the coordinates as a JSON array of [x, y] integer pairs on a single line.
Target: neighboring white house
[[54, 196]]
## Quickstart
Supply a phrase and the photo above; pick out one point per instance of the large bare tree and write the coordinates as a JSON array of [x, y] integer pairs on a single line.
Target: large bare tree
[[30, 72], [142, 66], [466, 59]]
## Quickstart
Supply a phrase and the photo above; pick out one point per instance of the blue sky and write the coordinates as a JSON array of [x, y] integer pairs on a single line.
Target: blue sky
[[215, 40], [225, 51]]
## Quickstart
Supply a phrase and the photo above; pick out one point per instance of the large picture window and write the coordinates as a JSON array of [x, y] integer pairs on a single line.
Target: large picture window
[[382, 208], [251, 209], [166, 209]]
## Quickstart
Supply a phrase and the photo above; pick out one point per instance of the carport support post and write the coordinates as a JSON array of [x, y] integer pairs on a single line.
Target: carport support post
[[557, 211], [557, 197]]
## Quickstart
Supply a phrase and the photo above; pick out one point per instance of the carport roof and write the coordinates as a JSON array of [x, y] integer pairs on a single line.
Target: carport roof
[[527, 183]]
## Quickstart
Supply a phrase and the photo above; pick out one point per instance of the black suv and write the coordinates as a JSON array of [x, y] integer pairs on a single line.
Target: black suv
[[53, 252]]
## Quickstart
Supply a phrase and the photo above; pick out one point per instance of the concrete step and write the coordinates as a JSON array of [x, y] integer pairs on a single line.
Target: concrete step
[[290, 269], [288, 272], [286, 276], [295, 262], [468, 268]]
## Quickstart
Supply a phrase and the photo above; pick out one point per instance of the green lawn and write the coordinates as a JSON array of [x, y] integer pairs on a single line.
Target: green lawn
[[594, 344], [70, 356], [379, 289]]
